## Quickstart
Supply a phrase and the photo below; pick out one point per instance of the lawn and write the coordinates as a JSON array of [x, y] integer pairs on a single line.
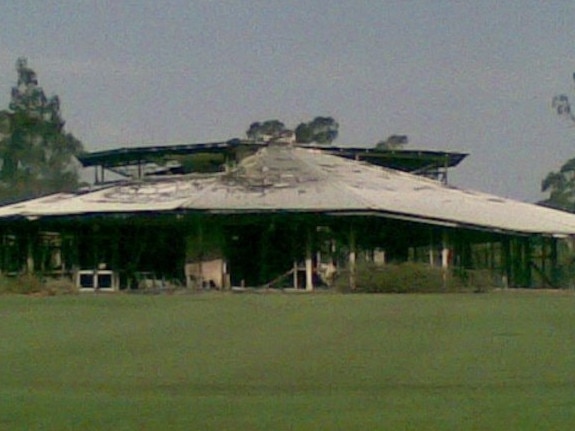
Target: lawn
[[288, 362]]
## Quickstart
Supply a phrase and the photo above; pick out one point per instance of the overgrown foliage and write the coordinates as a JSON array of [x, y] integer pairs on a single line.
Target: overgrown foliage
[[37, 155], [27, 284], [393, 142], [265, 130], [321, 130], [561, 187], [201, 162], [412, 277]]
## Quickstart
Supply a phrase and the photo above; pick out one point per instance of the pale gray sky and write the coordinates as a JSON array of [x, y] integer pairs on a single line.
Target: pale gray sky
[[474, 76]]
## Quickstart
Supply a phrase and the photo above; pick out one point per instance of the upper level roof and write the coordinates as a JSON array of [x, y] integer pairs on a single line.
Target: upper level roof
[[401, 159], [416, 161], [132, 155]]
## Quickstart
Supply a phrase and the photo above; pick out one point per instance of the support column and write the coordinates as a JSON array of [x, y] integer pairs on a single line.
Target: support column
[[432, 255], [95, 243], [295, 273], [506, 261], [554, 263], [308, 261], [444, 256], [193, 261], [352, 258], [115, 258], [29, 254], [445, 250], [527, 262], [491, 256], [520, 257], [200, 281]]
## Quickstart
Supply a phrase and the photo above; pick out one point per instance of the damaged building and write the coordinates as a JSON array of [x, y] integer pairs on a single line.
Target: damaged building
[[277, 215]]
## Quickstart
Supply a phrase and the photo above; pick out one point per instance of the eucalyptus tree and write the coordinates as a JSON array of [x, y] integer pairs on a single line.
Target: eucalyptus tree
[[561, 187], [37, 154]]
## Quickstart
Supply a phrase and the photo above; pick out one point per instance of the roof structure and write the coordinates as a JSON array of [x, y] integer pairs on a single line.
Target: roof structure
[[284, 178], [416, 161], [401, 159], [123, 156]]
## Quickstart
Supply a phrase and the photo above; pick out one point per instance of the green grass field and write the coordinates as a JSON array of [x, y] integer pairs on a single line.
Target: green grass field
[[499, 361]]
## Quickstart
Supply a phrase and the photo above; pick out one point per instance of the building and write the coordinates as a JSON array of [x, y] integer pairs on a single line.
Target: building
[[275, 215]]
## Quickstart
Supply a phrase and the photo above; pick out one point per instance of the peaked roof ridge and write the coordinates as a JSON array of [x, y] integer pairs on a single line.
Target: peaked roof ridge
[[274, 166]]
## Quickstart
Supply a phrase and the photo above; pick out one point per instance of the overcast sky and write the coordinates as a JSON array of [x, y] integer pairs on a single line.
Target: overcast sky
[[471, 76]]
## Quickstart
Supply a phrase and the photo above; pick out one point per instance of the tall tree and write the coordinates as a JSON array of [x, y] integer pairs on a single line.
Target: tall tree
[[561, 187], [561, 184], [562, 105], [36, 153]]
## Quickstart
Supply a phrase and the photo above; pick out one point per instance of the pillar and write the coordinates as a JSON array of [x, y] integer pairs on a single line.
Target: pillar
[[200, 280], [527, 252], [308, 261], [445, 250], [352, 258], [431, 253], [555, 281], [295, 273], [505, 262], [29, 254]]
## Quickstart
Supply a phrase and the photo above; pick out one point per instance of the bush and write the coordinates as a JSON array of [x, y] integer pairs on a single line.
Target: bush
[[28, 284], [411, 277], [477, 280], [60, 286]]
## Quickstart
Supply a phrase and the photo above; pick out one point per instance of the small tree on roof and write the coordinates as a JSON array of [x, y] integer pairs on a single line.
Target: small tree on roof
[[393, 142], [321, 130], [266, 130]]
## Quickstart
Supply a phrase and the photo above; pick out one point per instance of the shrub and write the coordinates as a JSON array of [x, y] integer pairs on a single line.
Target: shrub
[[28, 284], [21, 284], [60, 286], [477, 280], [411, 277]]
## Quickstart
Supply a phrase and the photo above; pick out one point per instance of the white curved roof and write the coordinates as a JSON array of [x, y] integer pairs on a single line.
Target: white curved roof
[[285, 178]]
